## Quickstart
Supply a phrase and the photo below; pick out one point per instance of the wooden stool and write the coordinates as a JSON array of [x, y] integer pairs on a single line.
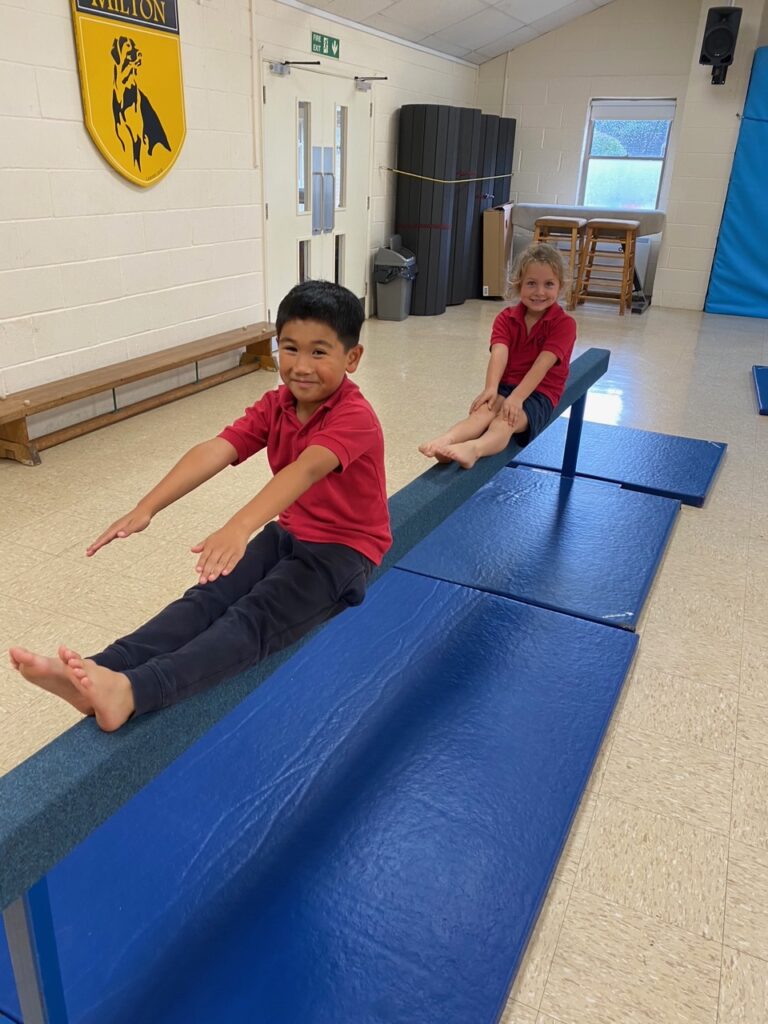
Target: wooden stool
[[601, 269], [567, 231]]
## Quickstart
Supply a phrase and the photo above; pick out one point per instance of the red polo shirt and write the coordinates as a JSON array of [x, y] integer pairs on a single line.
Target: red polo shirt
[[553, 332], [348, 506]]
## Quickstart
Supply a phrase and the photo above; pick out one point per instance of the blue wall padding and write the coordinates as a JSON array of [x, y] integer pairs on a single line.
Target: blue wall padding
[[367, 838], [664, 464], [582, 547], [760, 377], [756, 102], [738, 283]]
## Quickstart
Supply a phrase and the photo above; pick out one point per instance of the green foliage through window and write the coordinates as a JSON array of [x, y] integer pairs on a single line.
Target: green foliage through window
[[625, 161]]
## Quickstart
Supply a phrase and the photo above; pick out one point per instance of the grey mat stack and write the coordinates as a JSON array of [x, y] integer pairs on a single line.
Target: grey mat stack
[[442, 223]]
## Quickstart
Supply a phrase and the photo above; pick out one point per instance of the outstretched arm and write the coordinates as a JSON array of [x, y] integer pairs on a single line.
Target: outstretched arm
[[496, 366], [198, 465], [220, 553]]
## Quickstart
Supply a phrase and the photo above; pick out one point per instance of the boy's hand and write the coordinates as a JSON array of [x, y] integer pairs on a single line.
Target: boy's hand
[[486, 397], [220, 553], [512, 411], [134, 522]]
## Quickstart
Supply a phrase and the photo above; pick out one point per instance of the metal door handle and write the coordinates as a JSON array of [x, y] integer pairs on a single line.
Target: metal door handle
[[318, 203], [329, 201]]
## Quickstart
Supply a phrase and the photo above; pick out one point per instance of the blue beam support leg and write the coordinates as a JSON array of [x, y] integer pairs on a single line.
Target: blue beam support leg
[[32, 942], [573, 437]]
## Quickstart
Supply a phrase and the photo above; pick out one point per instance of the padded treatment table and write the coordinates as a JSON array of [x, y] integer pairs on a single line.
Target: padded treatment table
[[760, 377], [368, 837], [582, 547], [525, 215], [664, 464]]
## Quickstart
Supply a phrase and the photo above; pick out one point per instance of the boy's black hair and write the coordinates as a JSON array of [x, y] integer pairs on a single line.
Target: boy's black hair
[[328, 303]]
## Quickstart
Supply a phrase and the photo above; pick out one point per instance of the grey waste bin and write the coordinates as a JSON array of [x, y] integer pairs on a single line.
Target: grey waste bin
[[394, 269]]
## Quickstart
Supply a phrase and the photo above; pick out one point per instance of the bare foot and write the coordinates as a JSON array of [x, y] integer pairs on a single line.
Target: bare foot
[[50, 674], [433, 449], [109, 693], [464, 453]]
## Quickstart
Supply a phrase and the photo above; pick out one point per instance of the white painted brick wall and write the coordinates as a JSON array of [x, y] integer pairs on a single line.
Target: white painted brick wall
[[620, 51], [412, 77], [616, 50], [702, 167], [94, 270]]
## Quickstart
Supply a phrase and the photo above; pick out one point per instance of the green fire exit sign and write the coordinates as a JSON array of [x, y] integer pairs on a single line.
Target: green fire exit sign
[[327, 45]]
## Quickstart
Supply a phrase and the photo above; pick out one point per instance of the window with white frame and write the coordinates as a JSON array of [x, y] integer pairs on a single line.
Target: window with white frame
[[625, 152]]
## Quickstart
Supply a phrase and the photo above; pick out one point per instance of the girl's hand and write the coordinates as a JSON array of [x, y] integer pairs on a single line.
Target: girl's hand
[[134, 522], [486, 397], [512, 411], [220, 553]]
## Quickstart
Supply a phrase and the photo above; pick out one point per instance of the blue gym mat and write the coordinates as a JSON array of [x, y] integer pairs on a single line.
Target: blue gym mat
[[664, 464], [9, 1004], [368, 837], [582, 547], [760, 377]]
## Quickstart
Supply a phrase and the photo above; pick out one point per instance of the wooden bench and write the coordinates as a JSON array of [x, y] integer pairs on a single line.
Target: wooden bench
[[16, 408]]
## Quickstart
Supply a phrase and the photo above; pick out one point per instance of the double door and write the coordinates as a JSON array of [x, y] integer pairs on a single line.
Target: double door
[[316, 158]]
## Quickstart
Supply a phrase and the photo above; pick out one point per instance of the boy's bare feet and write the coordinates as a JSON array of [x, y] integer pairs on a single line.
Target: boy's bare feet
[[433, 449], [50, 674], [465, 454], [108, 693]]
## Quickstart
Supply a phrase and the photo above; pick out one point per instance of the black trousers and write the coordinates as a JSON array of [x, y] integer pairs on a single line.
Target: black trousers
[[280, 589]]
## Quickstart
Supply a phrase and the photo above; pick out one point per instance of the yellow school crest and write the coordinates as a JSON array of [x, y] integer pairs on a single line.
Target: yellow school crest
[[129, 55]]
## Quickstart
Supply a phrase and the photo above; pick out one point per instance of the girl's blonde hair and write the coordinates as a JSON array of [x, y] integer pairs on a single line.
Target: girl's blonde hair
[[540, 253]]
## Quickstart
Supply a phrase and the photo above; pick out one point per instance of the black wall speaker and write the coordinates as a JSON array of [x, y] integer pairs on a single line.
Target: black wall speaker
[[719, 40]]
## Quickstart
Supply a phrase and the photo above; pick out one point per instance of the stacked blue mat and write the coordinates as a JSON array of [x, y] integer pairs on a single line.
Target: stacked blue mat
[[370, 835]]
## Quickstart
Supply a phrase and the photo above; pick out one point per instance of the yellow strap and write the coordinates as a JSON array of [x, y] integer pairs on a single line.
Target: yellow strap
[[446, 181]]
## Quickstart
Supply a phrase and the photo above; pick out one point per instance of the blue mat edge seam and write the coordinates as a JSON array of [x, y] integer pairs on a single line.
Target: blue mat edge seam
[[694, 501]]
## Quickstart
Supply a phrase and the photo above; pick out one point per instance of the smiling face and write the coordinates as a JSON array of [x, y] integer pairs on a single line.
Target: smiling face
[[539, 288], [313, 362]]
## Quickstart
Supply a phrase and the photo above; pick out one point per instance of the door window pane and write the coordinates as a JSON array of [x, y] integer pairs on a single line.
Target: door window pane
[[304, 260], [340, 156], [338, 259], [304, 149]]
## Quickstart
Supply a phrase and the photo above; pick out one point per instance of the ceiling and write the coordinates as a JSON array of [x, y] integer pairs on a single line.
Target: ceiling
[[475, 30]]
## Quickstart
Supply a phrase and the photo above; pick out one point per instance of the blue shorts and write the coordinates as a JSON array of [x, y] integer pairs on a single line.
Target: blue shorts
[[538, 409]]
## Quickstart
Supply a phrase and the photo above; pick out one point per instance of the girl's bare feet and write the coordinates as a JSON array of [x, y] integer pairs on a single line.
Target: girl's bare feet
[[465, 454], [109, 693], [50, 674], [433, 449]]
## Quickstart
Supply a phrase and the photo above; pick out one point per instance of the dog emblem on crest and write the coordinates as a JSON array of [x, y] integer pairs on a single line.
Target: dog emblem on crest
[[129, 59], [135, 119]]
